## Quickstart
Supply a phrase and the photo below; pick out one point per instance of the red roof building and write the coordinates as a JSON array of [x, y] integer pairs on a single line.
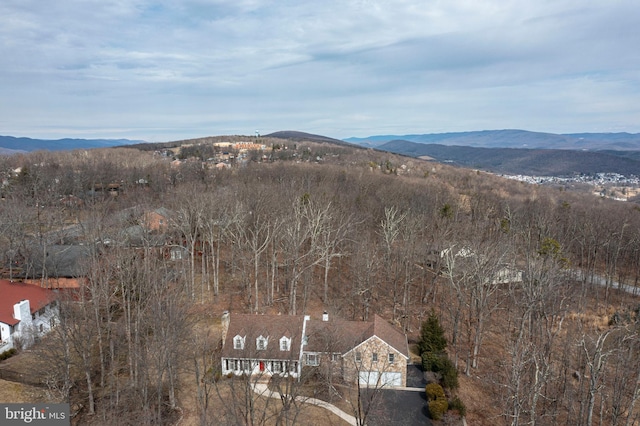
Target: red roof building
[[26, 311]]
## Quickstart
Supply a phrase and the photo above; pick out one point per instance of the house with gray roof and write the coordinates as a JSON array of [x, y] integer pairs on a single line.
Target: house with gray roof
[[370, 353]]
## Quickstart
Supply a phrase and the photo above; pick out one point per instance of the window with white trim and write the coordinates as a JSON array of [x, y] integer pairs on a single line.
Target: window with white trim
[[392, 357], [176, 254], [285, 344], [312, 359], [261, 343], [358, 356], [238, 342], [374, 357]]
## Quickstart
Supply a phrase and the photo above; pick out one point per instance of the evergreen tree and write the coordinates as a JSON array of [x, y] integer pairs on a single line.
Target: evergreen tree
[[432, 336]]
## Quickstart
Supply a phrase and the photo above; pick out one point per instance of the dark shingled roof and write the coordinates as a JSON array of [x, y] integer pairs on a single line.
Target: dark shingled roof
[[60, 261], [273, 327], [342, 336], [335, 336]]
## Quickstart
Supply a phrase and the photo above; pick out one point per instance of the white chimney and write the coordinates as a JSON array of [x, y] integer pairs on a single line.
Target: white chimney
[[225, 325], [325, 316], [22, 312]]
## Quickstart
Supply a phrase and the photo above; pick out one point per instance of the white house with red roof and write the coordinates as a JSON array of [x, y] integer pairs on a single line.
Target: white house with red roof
[[26, 312]]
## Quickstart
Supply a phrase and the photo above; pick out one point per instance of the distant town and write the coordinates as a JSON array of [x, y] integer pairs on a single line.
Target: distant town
[[609, 185]]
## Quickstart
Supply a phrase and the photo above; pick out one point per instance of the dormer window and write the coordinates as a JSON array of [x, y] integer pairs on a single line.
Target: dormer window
[[285, 344], [238, 342], [261, 343]]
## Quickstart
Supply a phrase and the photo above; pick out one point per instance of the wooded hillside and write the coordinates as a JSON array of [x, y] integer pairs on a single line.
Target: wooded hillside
[[308, 227]]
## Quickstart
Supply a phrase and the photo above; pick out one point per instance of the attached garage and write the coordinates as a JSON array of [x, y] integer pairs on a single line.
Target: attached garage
[[391, 379], [387, 379], [368, 378]]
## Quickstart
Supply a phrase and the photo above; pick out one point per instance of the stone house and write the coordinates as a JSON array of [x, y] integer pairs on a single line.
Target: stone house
[[371, 353]]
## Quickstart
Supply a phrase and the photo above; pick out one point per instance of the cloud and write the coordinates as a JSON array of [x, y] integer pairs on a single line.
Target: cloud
[[161, 69]]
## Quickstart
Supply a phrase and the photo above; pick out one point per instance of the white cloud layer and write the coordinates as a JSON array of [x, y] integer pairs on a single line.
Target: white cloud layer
[[163, 70]]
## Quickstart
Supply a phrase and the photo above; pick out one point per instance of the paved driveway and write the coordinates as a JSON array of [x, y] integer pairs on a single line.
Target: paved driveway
[[400, 407], [415, 378]]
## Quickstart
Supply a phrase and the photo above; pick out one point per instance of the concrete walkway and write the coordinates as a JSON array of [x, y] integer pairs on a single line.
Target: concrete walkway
[[263, 390], [407, 389]]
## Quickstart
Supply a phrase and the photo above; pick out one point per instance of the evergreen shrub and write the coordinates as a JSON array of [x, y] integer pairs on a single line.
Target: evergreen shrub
[[434, 391], [437, 408]]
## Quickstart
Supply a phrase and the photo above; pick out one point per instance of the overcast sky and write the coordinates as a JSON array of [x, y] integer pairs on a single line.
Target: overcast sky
[[173, 69]]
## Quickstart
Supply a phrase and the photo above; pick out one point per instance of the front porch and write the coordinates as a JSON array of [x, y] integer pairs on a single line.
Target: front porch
[[252, 367]]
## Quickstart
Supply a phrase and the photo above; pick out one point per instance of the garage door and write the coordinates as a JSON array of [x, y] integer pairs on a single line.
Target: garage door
[[391, 379], [369, 378]]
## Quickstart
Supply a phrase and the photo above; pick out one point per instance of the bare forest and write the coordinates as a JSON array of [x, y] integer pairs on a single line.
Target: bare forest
[[523, 279]]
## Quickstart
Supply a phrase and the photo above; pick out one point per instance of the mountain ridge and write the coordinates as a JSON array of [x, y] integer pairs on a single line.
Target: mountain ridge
[[533, 162], [25, 144], [300, 136], [514, 138]]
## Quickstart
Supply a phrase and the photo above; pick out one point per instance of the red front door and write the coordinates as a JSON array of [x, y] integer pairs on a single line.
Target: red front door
[[261, 365]]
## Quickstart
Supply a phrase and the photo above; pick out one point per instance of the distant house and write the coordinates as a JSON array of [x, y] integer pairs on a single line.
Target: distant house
[[139, 226], [56, 266], [113, 189], [507, 274], [158, 219], [370, 353], [26, 312]]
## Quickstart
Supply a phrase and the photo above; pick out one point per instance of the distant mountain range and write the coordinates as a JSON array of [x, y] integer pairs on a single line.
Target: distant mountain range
[[499, 151], [10, 144], [520, 151], [515, 139], [531, 162]]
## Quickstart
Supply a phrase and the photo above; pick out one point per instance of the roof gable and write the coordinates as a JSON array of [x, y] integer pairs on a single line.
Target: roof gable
[[12, 293], [334, 336], [271, 327], [343, 336], [390, 335], [381, 340]]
